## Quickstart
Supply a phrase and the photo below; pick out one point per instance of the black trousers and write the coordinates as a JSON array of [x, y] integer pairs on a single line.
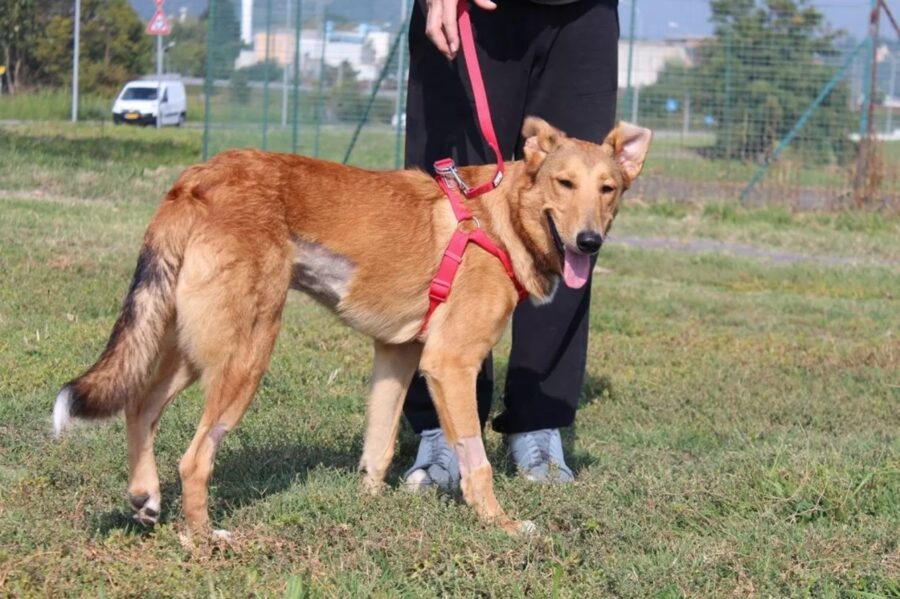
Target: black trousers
[[558, 63]]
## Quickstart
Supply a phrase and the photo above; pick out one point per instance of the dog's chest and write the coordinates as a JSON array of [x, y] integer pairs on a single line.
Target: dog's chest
[[321, 273]]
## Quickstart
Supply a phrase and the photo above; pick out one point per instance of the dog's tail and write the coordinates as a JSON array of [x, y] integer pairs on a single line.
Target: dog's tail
[[124, 367]]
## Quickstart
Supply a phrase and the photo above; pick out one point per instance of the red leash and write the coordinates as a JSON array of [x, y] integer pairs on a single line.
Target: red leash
[[447, 176], [482, 108]]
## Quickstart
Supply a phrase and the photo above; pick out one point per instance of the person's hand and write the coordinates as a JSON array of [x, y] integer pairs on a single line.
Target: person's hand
[[441, 27]]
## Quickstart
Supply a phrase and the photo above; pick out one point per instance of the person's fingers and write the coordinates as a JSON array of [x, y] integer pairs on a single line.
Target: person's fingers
[[485, 4], [451, 29], [434, 27]]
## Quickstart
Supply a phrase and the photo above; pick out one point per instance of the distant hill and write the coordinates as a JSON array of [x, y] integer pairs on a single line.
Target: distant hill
[[357, 11]]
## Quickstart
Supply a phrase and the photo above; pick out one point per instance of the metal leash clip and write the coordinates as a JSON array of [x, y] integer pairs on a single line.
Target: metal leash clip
[[446, 168]]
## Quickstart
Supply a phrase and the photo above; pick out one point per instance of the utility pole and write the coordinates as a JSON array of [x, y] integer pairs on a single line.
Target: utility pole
[[159, 71], [76, 45]]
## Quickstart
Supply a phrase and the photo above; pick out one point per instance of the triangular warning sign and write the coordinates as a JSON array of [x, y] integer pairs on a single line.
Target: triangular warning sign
[[159, 24]]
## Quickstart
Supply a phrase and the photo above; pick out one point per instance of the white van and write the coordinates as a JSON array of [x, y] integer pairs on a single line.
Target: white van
[[140, 102]]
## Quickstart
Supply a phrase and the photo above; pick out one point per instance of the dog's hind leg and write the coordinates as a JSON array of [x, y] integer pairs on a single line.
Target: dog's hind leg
[[228, 316], [393, 369], [173, 375]]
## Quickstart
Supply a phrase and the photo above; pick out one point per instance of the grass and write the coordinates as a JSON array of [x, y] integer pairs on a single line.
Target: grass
[[738, 433]]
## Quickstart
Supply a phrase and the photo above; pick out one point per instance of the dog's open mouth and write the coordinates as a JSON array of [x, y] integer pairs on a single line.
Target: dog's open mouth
[[576, 266]]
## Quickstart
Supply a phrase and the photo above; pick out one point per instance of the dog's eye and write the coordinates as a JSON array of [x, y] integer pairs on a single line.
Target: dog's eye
[[607, 189], [566, 183]]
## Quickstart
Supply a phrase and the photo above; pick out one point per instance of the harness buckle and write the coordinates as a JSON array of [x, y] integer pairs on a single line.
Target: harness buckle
[[439, 291], [446, 168]]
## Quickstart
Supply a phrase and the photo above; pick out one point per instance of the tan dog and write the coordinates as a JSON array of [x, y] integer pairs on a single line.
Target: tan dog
[[235, 233]]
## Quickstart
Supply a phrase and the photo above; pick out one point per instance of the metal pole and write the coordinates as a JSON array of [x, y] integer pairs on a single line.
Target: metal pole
[[867, 87], [208, 76], [159, 114], [295, 131], [889, 125], [265, 131], [726, 112], [628, 89], [686, 125], [400, 107], [75, 51], [321, 83], [867, 110], [284, 70]]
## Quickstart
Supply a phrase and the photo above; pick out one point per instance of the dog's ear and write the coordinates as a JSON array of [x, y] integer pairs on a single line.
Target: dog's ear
[[540, 139], [629, 145]]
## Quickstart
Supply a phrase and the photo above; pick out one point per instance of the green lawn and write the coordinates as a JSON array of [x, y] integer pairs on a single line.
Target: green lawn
[[739, 431]]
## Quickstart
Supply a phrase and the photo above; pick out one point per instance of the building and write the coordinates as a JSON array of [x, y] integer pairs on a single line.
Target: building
[[364, 49]]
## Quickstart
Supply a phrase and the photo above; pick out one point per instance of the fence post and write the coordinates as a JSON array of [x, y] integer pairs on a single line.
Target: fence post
[[726, 110], [866, 120], [265, 131], [295, 129], [401, 82], [284, 69], [889, 117], [629, 89], [208, 79], [321, 83]]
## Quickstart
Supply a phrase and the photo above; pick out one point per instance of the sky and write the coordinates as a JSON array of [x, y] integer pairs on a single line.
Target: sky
[[658, 19], [655, 19]]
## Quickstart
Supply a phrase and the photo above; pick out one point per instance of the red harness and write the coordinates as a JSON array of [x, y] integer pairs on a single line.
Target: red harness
[[448, 179]]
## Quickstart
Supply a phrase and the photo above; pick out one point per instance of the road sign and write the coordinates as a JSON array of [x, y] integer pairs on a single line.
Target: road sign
[[2, 69], [159, 24]]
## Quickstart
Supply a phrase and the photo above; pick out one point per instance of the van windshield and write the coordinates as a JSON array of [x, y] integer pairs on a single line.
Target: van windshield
[[139, 93]]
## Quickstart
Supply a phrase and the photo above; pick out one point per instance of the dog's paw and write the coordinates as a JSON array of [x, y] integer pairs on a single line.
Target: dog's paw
[[145, 509], [527, 527], [517, 528], [369, 486], [220, 534]]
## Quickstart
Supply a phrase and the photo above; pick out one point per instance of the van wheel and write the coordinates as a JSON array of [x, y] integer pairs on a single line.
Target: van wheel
[[181, 118]]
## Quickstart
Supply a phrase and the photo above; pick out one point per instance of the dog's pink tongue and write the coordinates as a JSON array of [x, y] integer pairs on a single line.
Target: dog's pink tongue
[[576, 269]]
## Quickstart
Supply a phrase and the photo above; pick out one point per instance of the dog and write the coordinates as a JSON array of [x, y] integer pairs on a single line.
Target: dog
[[235, 233]]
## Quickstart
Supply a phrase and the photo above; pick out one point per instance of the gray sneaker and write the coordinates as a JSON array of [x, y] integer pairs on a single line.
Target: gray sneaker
[[538, 456], [435, 465]]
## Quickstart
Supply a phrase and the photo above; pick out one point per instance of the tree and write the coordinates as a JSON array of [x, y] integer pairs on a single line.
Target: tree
[[113, 49], [224, 38], [187, 54], [18, 31], [345, 100], [115, 46], [766, 63]]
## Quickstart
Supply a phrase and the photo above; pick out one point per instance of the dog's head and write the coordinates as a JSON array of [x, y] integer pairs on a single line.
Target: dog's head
[[577, 186]]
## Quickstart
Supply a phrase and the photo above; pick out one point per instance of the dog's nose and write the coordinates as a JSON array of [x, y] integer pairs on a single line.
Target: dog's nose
[[589, 241]]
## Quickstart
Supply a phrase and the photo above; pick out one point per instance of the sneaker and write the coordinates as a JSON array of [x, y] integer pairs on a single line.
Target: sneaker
[[435, 464], [538, 456]]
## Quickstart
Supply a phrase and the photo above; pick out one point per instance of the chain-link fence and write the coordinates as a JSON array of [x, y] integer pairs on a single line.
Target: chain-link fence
[[311, 77], [765, 102]]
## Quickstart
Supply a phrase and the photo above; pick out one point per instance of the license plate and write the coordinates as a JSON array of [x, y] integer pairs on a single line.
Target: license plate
[[131, 116]]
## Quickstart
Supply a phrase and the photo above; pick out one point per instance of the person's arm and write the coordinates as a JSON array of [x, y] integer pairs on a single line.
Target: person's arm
[[441, 27]]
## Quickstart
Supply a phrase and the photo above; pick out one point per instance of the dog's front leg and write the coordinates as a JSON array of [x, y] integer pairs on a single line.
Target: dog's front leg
[[452, 385], [392, 371]]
